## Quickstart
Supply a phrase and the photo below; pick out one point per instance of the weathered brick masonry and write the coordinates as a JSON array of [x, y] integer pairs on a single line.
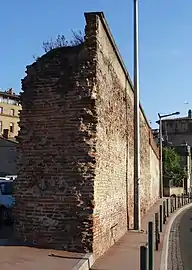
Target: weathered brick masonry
[[113, 184], [55, 182], [75, 182]]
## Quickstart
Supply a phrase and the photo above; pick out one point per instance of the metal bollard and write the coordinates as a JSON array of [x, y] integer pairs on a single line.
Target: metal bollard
[[175, 202], [164, 215], [151, 246], [182, 199], [160, 218], [157, 237], [143, 258], [178, 201], [167, 207], [188, 197], [171, 202]]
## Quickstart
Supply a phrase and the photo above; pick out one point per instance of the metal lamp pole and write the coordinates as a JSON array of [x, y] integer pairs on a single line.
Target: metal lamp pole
[[137, 219], [160, 158], [161, 151]]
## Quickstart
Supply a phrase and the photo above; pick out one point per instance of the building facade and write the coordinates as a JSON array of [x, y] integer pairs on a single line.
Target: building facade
[[178, 130], [9, 112], [178, 133], [9, 155]]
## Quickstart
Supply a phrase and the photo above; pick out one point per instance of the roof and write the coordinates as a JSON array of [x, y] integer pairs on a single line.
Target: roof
[[13, 96], [177, 119]]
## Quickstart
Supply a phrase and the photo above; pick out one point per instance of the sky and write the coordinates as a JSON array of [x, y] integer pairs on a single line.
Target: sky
[[165, 43]]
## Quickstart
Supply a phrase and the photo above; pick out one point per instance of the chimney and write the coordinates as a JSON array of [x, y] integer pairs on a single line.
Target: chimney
[[10, 91], [6, 133], [189, 114]]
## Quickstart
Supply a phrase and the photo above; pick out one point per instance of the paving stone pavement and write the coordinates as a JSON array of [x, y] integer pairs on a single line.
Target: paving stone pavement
[[174, 253]]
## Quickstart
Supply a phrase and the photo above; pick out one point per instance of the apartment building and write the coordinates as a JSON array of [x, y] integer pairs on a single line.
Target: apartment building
[[177, 132], [9, 113]]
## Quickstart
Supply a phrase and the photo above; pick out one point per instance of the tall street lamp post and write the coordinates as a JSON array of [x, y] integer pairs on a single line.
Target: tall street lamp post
[[137, 219], [161, 151]]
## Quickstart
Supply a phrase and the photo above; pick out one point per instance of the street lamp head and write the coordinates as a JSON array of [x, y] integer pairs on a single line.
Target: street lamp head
[[167, 115]]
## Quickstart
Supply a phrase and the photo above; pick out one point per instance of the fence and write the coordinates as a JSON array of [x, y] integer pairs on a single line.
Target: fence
[[154, 232]]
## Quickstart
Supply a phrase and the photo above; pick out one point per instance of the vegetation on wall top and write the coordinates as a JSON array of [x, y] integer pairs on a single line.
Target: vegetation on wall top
[[61, 41]]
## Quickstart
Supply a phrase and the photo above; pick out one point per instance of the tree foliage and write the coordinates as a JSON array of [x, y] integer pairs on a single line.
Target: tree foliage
[[173, 172], [61, 41]]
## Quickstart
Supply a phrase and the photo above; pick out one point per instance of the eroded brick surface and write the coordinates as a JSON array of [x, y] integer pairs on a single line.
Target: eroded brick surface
[[55, 184]]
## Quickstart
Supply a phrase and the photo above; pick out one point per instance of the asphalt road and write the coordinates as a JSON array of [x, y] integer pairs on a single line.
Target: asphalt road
[[185, 239]]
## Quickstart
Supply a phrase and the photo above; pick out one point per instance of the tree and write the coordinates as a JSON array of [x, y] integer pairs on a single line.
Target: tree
[[173, 172]]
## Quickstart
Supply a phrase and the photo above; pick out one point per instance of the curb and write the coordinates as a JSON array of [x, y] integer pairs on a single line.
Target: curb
[[164, 253], [85, 263]]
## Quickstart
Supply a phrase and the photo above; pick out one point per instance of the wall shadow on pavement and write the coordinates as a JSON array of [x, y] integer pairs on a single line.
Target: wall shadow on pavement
[[7, 240]]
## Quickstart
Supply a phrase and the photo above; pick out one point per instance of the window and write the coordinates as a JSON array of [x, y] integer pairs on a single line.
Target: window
[[1, 110], [12, 112], [6, 188], [1, 127], [11, 127], [12, 101], [9, 100]]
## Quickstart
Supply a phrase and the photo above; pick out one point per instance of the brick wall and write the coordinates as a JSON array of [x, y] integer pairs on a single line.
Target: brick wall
[[114, 172], [75, 180]]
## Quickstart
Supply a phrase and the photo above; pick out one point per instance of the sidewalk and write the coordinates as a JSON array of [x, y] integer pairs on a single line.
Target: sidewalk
[[124, 255], [26, 258], [16, 256]]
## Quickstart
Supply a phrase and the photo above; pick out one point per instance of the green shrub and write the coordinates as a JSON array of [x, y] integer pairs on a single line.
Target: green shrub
[[173, 172]]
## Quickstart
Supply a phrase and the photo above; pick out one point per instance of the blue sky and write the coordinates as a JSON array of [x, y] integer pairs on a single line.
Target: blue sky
[[165, 43]]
